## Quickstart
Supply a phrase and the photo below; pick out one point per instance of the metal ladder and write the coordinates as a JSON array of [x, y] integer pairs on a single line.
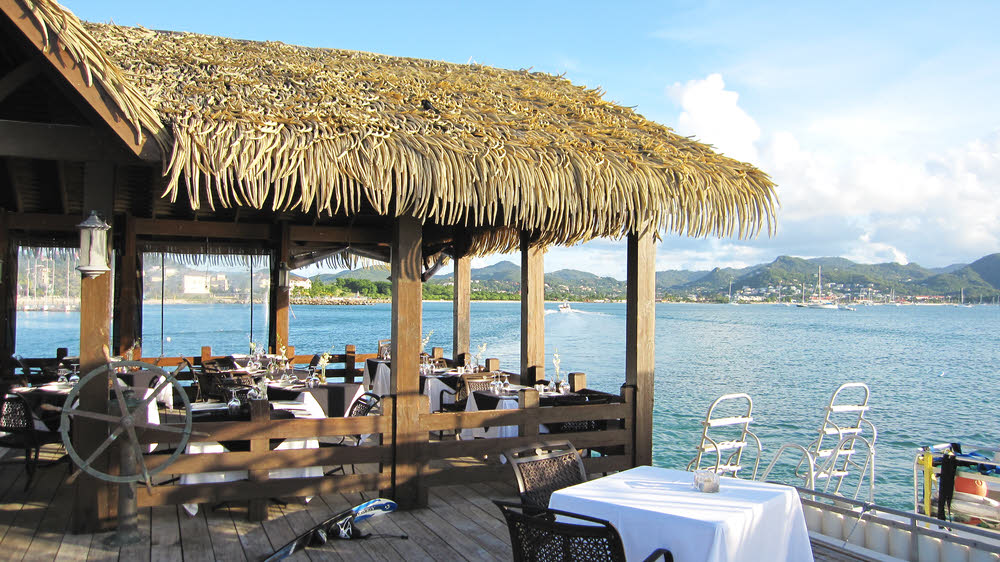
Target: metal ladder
[[846, 442], [726, 454]]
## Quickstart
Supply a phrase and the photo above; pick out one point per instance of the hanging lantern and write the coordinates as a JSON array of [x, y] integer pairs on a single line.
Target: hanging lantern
[[283, 276], [93, 246]]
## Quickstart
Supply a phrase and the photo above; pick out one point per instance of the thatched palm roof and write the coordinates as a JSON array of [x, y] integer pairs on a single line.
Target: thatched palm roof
[[330, 131]]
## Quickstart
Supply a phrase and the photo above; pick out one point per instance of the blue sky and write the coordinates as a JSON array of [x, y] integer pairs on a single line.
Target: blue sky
[[880, 122]]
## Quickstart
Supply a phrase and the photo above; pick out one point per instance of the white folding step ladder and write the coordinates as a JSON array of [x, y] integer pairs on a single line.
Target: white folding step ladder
[[846, 443], [722, 451]]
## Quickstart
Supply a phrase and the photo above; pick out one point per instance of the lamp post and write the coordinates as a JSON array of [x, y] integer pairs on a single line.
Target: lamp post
[[93, 246]]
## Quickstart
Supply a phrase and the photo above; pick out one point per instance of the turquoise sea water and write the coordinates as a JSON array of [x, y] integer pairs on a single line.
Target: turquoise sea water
[[932, 370]]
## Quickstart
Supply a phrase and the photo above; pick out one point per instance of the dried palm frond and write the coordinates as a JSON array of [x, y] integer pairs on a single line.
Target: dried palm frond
[[326, 132]]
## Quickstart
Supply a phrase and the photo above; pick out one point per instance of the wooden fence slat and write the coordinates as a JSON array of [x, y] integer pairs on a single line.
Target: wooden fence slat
[[271, 459], [276, 488]]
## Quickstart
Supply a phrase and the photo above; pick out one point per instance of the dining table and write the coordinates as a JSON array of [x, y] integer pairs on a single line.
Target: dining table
[[335, 398], [304, 407], [377, 375], [654, 507], [508, 399]]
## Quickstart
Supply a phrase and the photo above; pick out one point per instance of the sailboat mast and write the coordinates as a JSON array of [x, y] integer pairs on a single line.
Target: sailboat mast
[[819, 283]]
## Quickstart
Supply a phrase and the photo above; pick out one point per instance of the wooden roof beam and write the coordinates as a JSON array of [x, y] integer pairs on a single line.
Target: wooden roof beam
[[76, 77], [61, 186], [340, 234], [15, 193], [46, 141], [202, 229], [18, 77], [42, 222]]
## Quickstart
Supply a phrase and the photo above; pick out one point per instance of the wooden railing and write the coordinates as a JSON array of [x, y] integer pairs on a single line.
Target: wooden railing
[[434, 461], [613, 444], [260, 459]]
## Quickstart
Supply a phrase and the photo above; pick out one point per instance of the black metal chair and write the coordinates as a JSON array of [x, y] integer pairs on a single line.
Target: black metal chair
[[543, 538], [471, 382], [18, 424], [365, 405], [543, 468]]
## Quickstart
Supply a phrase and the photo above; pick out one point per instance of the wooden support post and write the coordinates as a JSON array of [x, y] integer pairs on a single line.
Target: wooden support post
[[577, 381], [8, 290], [437, 352], [404, 385], [350, 359], [206, 353], [528, 398], [127, 317], [492, 364], [277, 311], [462, 309], [640, 336], [260, 412], [96, 501], [532, 312]]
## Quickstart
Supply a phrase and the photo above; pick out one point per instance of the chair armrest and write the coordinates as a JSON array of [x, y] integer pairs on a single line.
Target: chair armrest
[[666, 554], [442, 393]]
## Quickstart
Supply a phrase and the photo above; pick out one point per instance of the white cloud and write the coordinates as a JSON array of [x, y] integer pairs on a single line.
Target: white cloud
[[933, 208], [718, 253], [713, 114]]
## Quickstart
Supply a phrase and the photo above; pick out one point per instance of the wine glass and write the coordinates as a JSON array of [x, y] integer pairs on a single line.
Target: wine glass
[[75, 377], [62, 372], [506, 380], [234, 404]]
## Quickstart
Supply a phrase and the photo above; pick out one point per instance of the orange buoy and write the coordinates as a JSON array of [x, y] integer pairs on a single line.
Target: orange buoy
[[970, 486]]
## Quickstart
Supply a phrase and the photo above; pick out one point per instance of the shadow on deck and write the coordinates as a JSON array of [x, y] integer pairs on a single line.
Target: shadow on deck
[[460, 523]]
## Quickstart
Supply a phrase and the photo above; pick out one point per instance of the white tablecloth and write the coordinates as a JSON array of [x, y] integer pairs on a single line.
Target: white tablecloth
[[506, 402], [305, 406], [379, 382], [659, 508]]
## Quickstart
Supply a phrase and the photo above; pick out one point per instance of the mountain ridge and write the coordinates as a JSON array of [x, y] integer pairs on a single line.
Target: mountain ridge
[[979, 279]]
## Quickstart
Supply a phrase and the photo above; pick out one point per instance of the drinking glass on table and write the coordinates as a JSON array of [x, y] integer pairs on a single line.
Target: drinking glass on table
[[234, 404], [506, 380]]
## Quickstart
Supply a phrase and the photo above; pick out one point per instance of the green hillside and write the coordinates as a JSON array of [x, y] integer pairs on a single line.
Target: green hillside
[[841, 277]]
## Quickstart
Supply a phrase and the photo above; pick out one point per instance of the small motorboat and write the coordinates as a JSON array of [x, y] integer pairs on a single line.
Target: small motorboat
[[564, 307]]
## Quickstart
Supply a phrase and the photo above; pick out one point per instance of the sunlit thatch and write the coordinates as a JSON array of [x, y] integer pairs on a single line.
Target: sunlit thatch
[[328, 131]]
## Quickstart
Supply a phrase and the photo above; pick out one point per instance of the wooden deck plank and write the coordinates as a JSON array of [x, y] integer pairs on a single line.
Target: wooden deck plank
[[483, 495], [380, 548], [47, 540], [410, 548], [278, 531], [298, 519], [319, 512], [482, 516], [196, 544], [73, 547], [140, 551], [252, 537], [12, 502], [471, 528], [20, 533], [222, 532], [348, 550], [165, 534], [100, 551], [465, 546]]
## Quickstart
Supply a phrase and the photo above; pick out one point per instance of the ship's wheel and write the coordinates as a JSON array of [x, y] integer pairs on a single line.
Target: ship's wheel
[[125, 412], [128, 413]]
